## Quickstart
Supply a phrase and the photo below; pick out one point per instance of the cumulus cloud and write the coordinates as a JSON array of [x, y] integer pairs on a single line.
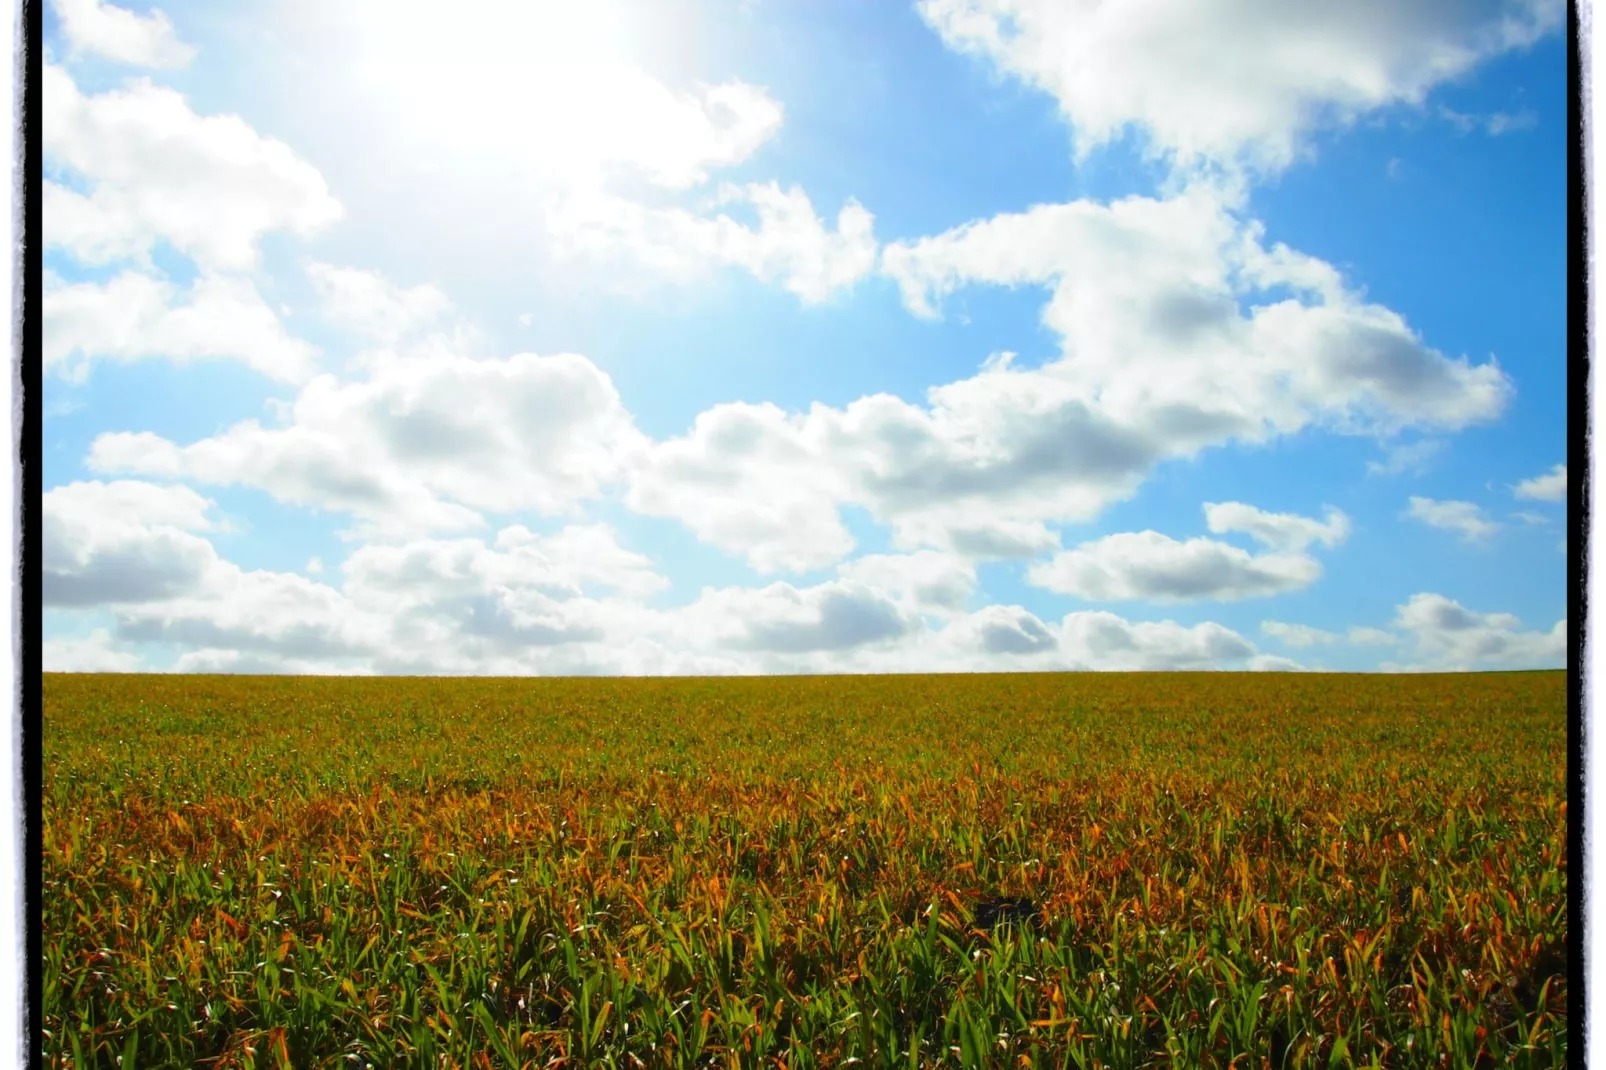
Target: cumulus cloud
[[138, 550], [522, 603], [1164, 68], [469, 600], [749, 478], [136, 316], [1449, 637], [258, 663], [123, 542], [1148, 299], [791, 244], [928, 580], [1549, 487], [1155, 567], [573, 601], [98, 28], [372, 305], [1302, 636], [575, 560], [978, 470], [783, 619], [1099, 640], [96, 652], [278, 614], [1280, 531], [1273, 663], [210, 186], [1008, 630], [1149, 566], [419, 444], [1464, 518], [983, 466], [1298, 636]]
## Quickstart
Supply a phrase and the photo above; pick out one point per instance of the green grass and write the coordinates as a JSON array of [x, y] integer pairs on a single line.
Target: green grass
[[1222, 870]]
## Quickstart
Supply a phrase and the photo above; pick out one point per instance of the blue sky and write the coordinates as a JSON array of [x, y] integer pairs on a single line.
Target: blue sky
[[751, 336]]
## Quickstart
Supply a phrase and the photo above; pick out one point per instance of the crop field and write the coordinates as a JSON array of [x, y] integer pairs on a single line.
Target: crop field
[[1037, 870]]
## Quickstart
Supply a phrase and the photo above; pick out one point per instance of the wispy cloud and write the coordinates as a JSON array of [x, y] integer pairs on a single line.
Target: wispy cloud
[[1412, 458], [1464, 518], [1549, 487], [1494, 123]]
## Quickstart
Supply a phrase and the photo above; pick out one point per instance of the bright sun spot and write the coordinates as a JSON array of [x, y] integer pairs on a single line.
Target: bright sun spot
[[558, 85]]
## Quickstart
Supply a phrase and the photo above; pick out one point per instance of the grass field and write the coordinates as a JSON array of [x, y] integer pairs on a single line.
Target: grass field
[[1190, 870]]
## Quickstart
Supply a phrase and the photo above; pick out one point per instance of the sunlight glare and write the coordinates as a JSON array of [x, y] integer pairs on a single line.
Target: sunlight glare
[[553, 81]]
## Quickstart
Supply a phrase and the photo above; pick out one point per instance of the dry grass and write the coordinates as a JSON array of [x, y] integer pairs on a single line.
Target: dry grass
[[1198, 870]]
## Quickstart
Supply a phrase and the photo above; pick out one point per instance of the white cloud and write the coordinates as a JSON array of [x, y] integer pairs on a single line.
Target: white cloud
[[263, 663], [459, 603], [373, 306], [782, 619], [749, 478], [1505, 122], [978, 470], [1155, 567], [575, 602], [1449, 637], [123, 542], [1099, 640], [1147, 299], [1464, 518], [1298, 636], [1280, 531], [982, 468], [276, 614], [420, 444], [1274, 663], [211, 186], [1549, 487], [131, 501], [1494, 124], [928, 581], [1302, 636], [1410, 457], [522, 603], [791, 243], [978, 536], [1006, 630], [1240, 83], [558, 97], [1464, 123], [1159, 362], [567, 563], [120, 35], [135, 316], [95, 652], [93, 229], [1150, 566]]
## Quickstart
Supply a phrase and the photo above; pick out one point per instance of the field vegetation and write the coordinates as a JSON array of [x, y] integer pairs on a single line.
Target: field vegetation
[[1205, 870]]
